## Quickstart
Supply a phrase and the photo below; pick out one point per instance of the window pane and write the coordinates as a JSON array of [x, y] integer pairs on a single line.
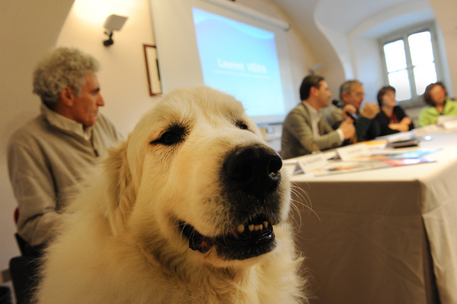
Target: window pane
[[424, 75], [395, 55], [420, 45], [400, 81]]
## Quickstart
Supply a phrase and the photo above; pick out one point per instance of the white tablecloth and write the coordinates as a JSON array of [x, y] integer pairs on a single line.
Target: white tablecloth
[[382, 236]]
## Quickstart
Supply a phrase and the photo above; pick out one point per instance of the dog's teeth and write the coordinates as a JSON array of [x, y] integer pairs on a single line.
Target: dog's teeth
[[259, 227], [265, 224], [251, 227], [240, 228]]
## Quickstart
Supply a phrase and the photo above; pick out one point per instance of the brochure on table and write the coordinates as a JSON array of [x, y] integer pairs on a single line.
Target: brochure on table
[[358, 165], [354, 158]]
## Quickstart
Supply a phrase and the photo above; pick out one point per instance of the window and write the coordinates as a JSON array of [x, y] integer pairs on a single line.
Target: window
[[411, 62]]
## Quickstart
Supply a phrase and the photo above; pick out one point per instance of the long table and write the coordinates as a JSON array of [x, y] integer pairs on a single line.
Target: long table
[[381, 236]]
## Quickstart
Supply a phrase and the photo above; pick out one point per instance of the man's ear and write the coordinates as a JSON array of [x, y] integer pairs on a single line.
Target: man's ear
[[313, 90], [344, 96], [67, 96]]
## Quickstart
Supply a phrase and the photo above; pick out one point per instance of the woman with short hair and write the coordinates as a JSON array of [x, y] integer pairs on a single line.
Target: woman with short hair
[[435, 96]]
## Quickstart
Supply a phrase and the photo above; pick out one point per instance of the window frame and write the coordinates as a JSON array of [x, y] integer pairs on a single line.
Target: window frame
[[403, 34]]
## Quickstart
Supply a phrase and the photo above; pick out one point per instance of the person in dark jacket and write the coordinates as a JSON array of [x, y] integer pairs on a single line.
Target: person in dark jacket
[[392, 118]]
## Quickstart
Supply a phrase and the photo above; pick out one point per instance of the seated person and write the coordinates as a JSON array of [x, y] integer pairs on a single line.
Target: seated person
[[352, 95], [392, 118], [52, 152], [305, 129], [435, 96]]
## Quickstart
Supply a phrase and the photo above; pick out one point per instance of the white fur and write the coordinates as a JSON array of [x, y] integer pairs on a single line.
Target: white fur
[[120, 242]]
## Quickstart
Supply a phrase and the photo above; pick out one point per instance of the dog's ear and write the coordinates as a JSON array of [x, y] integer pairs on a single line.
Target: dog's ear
[[120, 191]]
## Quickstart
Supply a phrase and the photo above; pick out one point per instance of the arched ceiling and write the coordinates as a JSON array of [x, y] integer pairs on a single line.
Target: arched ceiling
[[345, 15], [331, 24]]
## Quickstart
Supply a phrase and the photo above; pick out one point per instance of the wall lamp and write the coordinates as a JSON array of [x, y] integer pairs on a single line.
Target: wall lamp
[[113, 23]]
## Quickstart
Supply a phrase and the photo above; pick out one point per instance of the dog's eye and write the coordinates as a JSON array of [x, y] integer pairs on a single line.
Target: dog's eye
[[174, 135], [242, 125], [169, 138]]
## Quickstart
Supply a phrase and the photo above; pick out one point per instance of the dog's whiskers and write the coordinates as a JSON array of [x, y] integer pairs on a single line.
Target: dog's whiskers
[[303, 199]]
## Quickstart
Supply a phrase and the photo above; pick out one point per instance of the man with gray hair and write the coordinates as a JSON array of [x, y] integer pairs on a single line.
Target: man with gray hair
[[51, 153], [352, 95]]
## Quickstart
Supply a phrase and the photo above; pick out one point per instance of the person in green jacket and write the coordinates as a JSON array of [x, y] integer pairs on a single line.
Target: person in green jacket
[[435, 96]]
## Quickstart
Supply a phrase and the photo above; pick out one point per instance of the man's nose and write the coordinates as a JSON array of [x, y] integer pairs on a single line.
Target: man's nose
[[100, 101]]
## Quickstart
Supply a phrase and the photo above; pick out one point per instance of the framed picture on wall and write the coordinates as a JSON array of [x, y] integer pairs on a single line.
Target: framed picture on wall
[[152, 69]]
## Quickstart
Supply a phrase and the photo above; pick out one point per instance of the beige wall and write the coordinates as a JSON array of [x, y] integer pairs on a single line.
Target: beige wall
[[445, 17], [122, 76], [27, 29]]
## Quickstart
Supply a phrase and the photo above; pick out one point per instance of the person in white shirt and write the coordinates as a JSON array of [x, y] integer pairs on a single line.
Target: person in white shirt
[[51, 153], [305, 129]]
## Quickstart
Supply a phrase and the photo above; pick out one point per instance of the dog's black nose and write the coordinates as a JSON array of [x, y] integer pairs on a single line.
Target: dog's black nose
[[253, 169]]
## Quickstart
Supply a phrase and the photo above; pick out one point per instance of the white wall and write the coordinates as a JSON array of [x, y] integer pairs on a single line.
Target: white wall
[[368, 66], [123, 77]]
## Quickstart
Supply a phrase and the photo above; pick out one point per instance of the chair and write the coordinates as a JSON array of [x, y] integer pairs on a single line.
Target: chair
[[24, 274], [5, 295], [24, 268]]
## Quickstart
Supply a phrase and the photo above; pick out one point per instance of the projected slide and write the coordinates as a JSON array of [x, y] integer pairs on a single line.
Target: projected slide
[[241, 60]]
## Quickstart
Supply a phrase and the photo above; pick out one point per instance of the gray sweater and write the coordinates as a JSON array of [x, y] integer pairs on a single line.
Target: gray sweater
[[45, 159]]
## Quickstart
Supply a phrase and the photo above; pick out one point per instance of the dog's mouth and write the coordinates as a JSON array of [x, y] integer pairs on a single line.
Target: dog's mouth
[[248, 240]]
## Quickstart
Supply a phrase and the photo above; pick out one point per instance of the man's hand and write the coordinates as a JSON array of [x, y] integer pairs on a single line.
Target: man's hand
[[370, 110], [348, 109], [347, 126]]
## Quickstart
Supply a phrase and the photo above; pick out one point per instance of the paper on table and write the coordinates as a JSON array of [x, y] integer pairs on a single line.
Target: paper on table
[[348, 152], [305, 164], [397, 155], [338, 167]]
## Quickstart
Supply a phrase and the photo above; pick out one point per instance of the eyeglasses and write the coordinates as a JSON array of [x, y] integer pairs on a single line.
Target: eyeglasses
[[359, 94]]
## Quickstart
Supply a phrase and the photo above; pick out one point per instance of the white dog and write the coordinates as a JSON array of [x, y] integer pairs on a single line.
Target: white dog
[[192, 208]]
